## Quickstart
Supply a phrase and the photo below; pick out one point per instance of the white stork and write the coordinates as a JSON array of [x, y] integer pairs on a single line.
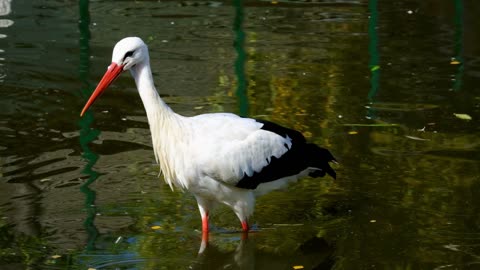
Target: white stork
[[218, 157]]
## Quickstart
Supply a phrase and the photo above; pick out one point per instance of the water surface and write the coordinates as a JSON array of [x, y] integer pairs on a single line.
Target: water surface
[[382, 84]]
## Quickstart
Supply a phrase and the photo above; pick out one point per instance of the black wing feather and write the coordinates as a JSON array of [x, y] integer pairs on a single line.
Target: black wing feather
[[299, 157]]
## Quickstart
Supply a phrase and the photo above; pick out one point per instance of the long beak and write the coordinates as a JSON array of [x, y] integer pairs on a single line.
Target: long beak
[[112, 73]]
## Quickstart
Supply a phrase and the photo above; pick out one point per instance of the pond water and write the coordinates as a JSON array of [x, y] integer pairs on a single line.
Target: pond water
[[390, 87]]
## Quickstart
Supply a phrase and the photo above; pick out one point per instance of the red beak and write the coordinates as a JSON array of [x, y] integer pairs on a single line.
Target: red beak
[[112, 73]]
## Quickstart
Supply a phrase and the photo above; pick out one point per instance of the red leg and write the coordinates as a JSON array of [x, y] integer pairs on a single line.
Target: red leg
[[205, 223], [245, 226], [204, 243]]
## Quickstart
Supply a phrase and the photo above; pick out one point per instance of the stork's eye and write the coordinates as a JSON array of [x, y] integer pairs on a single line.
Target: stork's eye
[[128, 54]]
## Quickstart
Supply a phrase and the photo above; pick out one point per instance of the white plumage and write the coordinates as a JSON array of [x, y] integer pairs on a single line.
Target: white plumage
[[218, 157]]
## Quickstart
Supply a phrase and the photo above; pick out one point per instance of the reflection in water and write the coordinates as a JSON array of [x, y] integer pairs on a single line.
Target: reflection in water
[[24, 213], [241, 58], [408, 197], [374, 63], [5, 9], [87, 134], [247, 253], [458, 59], [228, 257], [224, 251]]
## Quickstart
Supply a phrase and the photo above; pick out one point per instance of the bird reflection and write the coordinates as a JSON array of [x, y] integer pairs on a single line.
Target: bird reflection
[[216, 256], [221, 253], [204, 243]]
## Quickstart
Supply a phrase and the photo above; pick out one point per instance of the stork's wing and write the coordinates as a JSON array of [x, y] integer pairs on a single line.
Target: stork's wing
[[237, 150]]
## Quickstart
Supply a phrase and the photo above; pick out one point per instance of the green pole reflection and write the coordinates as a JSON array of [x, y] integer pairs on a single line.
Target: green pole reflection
[[241, 58], [374, 63], [458, 44], [87, 134]]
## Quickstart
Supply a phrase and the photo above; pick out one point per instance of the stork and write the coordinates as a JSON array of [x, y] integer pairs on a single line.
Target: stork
[[218, 157]]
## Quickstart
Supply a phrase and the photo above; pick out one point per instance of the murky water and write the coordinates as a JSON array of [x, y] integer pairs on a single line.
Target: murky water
[[383, 84]]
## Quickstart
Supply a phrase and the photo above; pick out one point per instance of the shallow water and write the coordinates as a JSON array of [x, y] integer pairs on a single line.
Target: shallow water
[[376, 82]]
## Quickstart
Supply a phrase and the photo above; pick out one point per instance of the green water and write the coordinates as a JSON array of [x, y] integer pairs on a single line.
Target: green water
[[376, 82]]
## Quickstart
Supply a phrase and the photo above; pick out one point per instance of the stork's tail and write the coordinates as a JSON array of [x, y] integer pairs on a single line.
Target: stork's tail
[[320, 158]]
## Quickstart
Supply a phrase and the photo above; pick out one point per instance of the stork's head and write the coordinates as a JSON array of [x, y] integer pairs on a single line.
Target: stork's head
[[127, 53]]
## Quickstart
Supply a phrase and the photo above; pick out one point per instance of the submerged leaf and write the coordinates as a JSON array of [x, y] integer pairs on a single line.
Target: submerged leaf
[[463, 116], [298, 267], [156, 227]]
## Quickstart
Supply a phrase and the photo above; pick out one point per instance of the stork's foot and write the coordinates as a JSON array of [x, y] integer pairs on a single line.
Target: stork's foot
[[245, 229], [204, 243], [244, 236]]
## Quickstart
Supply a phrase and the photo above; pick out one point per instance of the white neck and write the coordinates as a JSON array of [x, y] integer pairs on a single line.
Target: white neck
[[166, 127], [151, 100]]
